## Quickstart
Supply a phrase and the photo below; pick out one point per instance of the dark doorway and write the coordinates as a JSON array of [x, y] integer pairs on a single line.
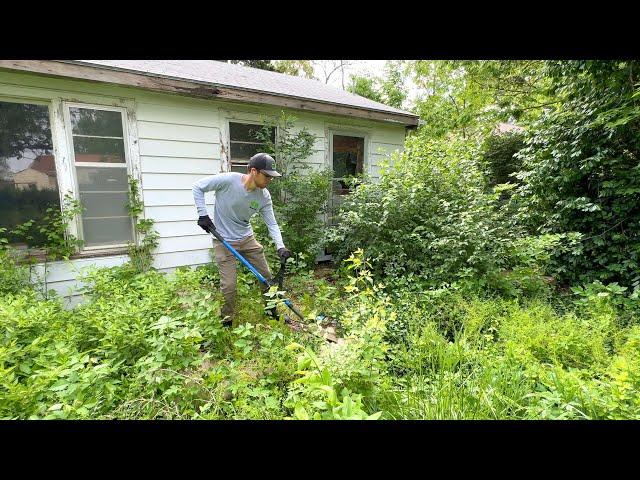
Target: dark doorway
[[347, 164]]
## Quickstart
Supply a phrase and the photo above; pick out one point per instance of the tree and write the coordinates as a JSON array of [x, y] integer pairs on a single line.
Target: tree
[[299, 195], [470, 97], [261, 64], [298, 68], [582, 171], [499, 157], [24, 126], [389, 89], [329, 67], [392, 85], [364, 86]]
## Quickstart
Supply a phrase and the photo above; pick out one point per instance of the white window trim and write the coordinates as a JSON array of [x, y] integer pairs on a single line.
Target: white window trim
[[242, 120], [76, 226]]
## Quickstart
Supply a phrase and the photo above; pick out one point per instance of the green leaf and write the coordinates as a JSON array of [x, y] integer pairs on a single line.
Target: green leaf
[[300, 413]]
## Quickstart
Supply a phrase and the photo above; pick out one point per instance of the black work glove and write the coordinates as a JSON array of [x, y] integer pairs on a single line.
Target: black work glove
[[206, 224], [283, 253]]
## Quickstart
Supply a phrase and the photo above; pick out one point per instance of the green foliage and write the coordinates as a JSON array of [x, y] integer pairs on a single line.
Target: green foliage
[[50, 232], [140, 254], [299, 196], [462, 356], [365, 86], [300, 68], [581, 170], [389, 89], [261, 64], [356, 364], [14, 274], [469, 97], [467, 324], [428, 217], [148, 345], [31, 204], [498, 156]]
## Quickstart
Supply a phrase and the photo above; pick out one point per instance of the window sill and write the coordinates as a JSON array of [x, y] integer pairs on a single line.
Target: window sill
[[102, 252], [39, 257]]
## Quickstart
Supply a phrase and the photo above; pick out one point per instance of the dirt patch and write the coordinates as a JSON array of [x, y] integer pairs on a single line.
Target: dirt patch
[[326, 271]]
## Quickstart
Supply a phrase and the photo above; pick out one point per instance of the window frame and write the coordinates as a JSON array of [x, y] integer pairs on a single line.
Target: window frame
[[78, 227], [345, 131], [45, 102], [242, 121]]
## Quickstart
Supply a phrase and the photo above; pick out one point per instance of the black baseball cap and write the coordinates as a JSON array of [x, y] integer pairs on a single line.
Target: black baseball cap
[[264, 163]]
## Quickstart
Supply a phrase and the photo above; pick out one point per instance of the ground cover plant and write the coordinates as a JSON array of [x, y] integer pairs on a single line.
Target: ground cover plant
[[149, 345]]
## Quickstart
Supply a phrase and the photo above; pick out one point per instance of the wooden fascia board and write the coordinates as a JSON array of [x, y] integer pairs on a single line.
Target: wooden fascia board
[[97, 73]]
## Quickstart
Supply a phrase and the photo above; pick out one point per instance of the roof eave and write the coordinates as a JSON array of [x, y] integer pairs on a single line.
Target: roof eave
[[149, 81]]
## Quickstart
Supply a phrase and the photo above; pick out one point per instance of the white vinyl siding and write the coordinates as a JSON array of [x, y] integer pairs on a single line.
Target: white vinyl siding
[[174, 140]]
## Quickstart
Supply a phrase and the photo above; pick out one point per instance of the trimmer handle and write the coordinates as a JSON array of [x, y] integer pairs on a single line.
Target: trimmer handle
[[279, 278]]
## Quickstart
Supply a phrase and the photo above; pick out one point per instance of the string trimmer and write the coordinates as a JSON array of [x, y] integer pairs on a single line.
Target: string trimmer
[[278, 280]]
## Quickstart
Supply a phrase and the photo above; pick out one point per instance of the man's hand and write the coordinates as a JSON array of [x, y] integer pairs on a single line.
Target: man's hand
[[283, 253], [206, 224]]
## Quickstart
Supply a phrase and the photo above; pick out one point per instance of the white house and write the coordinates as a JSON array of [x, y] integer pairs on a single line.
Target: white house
[[167, 124]]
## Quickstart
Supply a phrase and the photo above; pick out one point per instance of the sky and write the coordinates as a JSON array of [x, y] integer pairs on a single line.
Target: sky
[[362, 67]]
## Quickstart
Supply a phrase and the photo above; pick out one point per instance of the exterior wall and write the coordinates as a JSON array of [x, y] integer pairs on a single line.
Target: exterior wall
[[29, 176], [176, 140]]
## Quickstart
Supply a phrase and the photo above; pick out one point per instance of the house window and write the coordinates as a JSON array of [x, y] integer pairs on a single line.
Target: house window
[[244, 144], [347, 163], [28, 181], [100, 162]]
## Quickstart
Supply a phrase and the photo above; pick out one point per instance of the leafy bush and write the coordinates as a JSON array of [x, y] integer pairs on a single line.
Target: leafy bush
[[428, 217], [581, 170], [300, 195], [499, 159], [14, 274]]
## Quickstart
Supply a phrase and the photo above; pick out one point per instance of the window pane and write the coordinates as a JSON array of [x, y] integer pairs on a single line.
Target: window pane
[[102, 123], [244, 151], [28, 182], [239, 167], [108, 231], [102, 179], [103, 193], [103, 204], [246, 132], [103, 150]]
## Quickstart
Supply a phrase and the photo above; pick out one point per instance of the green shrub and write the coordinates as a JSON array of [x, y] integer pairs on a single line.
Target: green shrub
[[300, 195], [498, 157], [428, 217], [14, 274], [581, 171]]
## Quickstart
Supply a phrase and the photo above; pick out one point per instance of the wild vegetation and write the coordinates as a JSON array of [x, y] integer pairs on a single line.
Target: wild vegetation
[[484, 276]]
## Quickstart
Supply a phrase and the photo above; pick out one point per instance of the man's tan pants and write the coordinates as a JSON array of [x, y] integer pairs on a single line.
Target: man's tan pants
[[253, 252]]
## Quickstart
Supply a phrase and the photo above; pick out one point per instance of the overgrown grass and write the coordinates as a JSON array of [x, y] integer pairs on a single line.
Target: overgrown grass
[[147, 345]]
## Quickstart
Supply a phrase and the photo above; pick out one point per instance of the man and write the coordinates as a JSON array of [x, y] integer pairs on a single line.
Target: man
[[237, 198]]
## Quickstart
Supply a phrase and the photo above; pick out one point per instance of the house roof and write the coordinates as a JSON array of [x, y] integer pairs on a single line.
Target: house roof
[[44, 164], [220, 74]]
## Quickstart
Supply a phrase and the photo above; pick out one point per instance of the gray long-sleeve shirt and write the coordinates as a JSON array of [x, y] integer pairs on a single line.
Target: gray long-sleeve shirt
[[234, 206]]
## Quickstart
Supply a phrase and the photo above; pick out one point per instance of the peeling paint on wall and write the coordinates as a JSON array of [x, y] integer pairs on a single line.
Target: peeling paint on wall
[[224, 158]]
